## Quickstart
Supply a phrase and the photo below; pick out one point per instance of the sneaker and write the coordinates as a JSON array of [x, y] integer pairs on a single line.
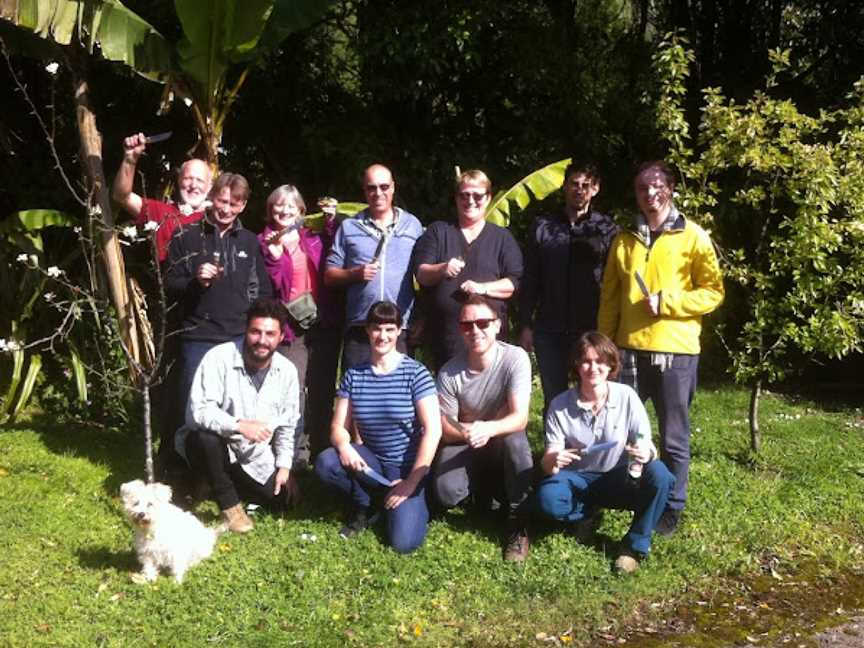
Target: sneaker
[[237, 520], [359, 519], [584, 529], [627, 562], [668, 522], [516, 544]]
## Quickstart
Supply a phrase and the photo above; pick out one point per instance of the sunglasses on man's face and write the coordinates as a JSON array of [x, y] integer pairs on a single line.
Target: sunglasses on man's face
[[383, 188], [467, 325]]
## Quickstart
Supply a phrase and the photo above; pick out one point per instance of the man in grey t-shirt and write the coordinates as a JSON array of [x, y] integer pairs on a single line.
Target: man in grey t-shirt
[[484, 393]]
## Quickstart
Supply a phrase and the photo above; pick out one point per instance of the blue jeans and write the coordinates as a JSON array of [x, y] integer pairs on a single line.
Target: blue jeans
[[406, 524], [671, 391], [569, 494], [553, 363]]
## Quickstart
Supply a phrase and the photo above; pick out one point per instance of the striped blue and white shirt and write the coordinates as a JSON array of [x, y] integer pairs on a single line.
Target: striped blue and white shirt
[[383, 407]]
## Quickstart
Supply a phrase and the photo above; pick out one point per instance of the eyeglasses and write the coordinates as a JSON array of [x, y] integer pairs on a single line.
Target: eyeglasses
[[467, 325], [383, 188], [471, 195]]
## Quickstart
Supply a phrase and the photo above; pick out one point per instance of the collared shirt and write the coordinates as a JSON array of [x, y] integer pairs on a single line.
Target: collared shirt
[[359, 241], [571, 423], [223, 393]]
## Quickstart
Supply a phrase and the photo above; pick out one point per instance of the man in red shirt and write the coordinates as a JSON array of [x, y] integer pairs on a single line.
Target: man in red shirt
[[194, 179]]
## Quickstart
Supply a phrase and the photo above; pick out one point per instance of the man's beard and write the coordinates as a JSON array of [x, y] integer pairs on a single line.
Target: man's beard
[[255, 360]]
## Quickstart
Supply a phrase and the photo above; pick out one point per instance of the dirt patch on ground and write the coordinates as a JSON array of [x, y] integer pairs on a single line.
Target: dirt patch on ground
[[808, 610]]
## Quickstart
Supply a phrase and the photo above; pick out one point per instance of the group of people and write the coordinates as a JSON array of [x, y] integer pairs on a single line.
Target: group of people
[[616, 313]]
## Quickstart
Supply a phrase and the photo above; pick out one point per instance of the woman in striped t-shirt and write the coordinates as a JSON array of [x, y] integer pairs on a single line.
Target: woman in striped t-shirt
[[392, 404]]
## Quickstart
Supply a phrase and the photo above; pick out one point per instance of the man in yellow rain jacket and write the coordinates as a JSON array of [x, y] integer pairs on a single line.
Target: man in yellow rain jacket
[[661, 277]]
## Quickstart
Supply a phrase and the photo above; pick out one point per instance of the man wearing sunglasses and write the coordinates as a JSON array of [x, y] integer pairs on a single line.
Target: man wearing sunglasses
[[484, 393], [371, 259]]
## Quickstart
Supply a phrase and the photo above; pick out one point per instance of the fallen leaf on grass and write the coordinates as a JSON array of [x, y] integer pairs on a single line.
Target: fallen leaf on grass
[[116, 597], [3, 472], [43, 627]]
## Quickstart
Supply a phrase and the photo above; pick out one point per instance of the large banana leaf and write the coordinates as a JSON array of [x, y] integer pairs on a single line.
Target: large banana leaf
[[290, 16], [215, 34], [121, 34], [535, 186], [23, 228], [28, 384]]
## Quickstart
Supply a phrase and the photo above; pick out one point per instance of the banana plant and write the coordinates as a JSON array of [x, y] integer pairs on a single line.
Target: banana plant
[[206, 67], [537, 185], [22, 235]]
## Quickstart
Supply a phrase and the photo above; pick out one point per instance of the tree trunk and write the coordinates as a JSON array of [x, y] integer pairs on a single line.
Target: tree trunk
[[97, 190], [144, 388], [755, 392]]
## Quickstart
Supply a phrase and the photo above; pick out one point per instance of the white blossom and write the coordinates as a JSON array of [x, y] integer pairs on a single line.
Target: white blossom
[[49, 296], [241, 254], [34, 259], [130, 231], [187, 101], [54, 272], [9, 345], [52, 67], [95, 210], [149, 226], [21, 258], [77, 229]]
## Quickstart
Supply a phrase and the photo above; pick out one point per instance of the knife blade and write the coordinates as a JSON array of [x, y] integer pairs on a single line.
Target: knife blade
[[642, 286], [160, 137], [378, 477]]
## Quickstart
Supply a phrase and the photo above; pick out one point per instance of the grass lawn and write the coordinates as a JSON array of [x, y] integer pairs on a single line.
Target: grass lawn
[[66, 559]]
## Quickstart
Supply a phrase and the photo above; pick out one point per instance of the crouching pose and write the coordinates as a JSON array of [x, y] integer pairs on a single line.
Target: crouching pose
[[484, 394], [391, 403], [241, 418], [622, 471]]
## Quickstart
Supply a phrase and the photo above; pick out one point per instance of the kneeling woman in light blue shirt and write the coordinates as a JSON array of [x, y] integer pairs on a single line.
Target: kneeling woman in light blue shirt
[[392, 403], [622, 472]]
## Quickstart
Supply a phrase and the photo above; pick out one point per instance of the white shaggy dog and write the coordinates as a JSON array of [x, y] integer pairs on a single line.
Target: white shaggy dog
[[166, 537]]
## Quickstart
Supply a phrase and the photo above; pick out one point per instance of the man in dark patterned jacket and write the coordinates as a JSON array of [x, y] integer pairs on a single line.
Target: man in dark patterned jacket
[[565, 255]]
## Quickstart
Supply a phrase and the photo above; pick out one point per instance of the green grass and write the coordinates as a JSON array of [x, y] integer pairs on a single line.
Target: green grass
[[66, 562]]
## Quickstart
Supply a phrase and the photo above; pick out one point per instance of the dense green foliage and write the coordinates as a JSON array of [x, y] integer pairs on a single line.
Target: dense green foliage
[[507, 87], [67, 560]]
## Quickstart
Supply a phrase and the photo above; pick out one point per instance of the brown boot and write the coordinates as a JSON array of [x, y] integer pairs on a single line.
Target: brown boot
[[237, 520]]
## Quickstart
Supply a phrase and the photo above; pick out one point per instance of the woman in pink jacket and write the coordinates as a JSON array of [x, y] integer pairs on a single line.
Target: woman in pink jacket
[[294, 256]]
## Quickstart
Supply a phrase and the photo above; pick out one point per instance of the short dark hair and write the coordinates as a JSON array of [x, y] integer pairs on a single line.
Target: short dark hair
[[478, 300], [604, 347], [582, 166], [661, 167], [233, 181], [268, 308], [384, 312]]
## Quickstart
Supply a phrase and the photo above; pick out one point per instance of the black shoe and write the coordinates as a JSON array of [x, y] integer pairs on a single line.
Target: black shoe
[[359, 520], [583, 530], [668, 522]]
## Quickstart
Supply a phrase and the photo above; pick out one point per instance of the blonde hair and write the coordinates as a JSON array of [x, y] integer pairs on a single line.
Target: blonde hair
[[475, 176], [285, 192]]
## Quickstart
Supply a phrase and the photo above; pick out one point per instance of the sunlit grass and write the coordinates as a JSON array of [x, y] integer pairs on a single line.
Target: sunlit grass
[[66, 562]]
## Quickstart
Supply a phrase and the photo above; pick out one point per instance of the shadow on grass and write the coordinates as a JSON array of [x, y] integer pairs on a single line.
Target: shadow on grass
[[102, 558], [122, 452]]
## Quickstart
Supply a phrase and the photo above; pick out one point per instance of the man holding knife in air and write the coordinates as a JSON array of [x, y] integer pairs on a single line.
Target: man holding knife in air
[[661, 277], [194, 182]]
